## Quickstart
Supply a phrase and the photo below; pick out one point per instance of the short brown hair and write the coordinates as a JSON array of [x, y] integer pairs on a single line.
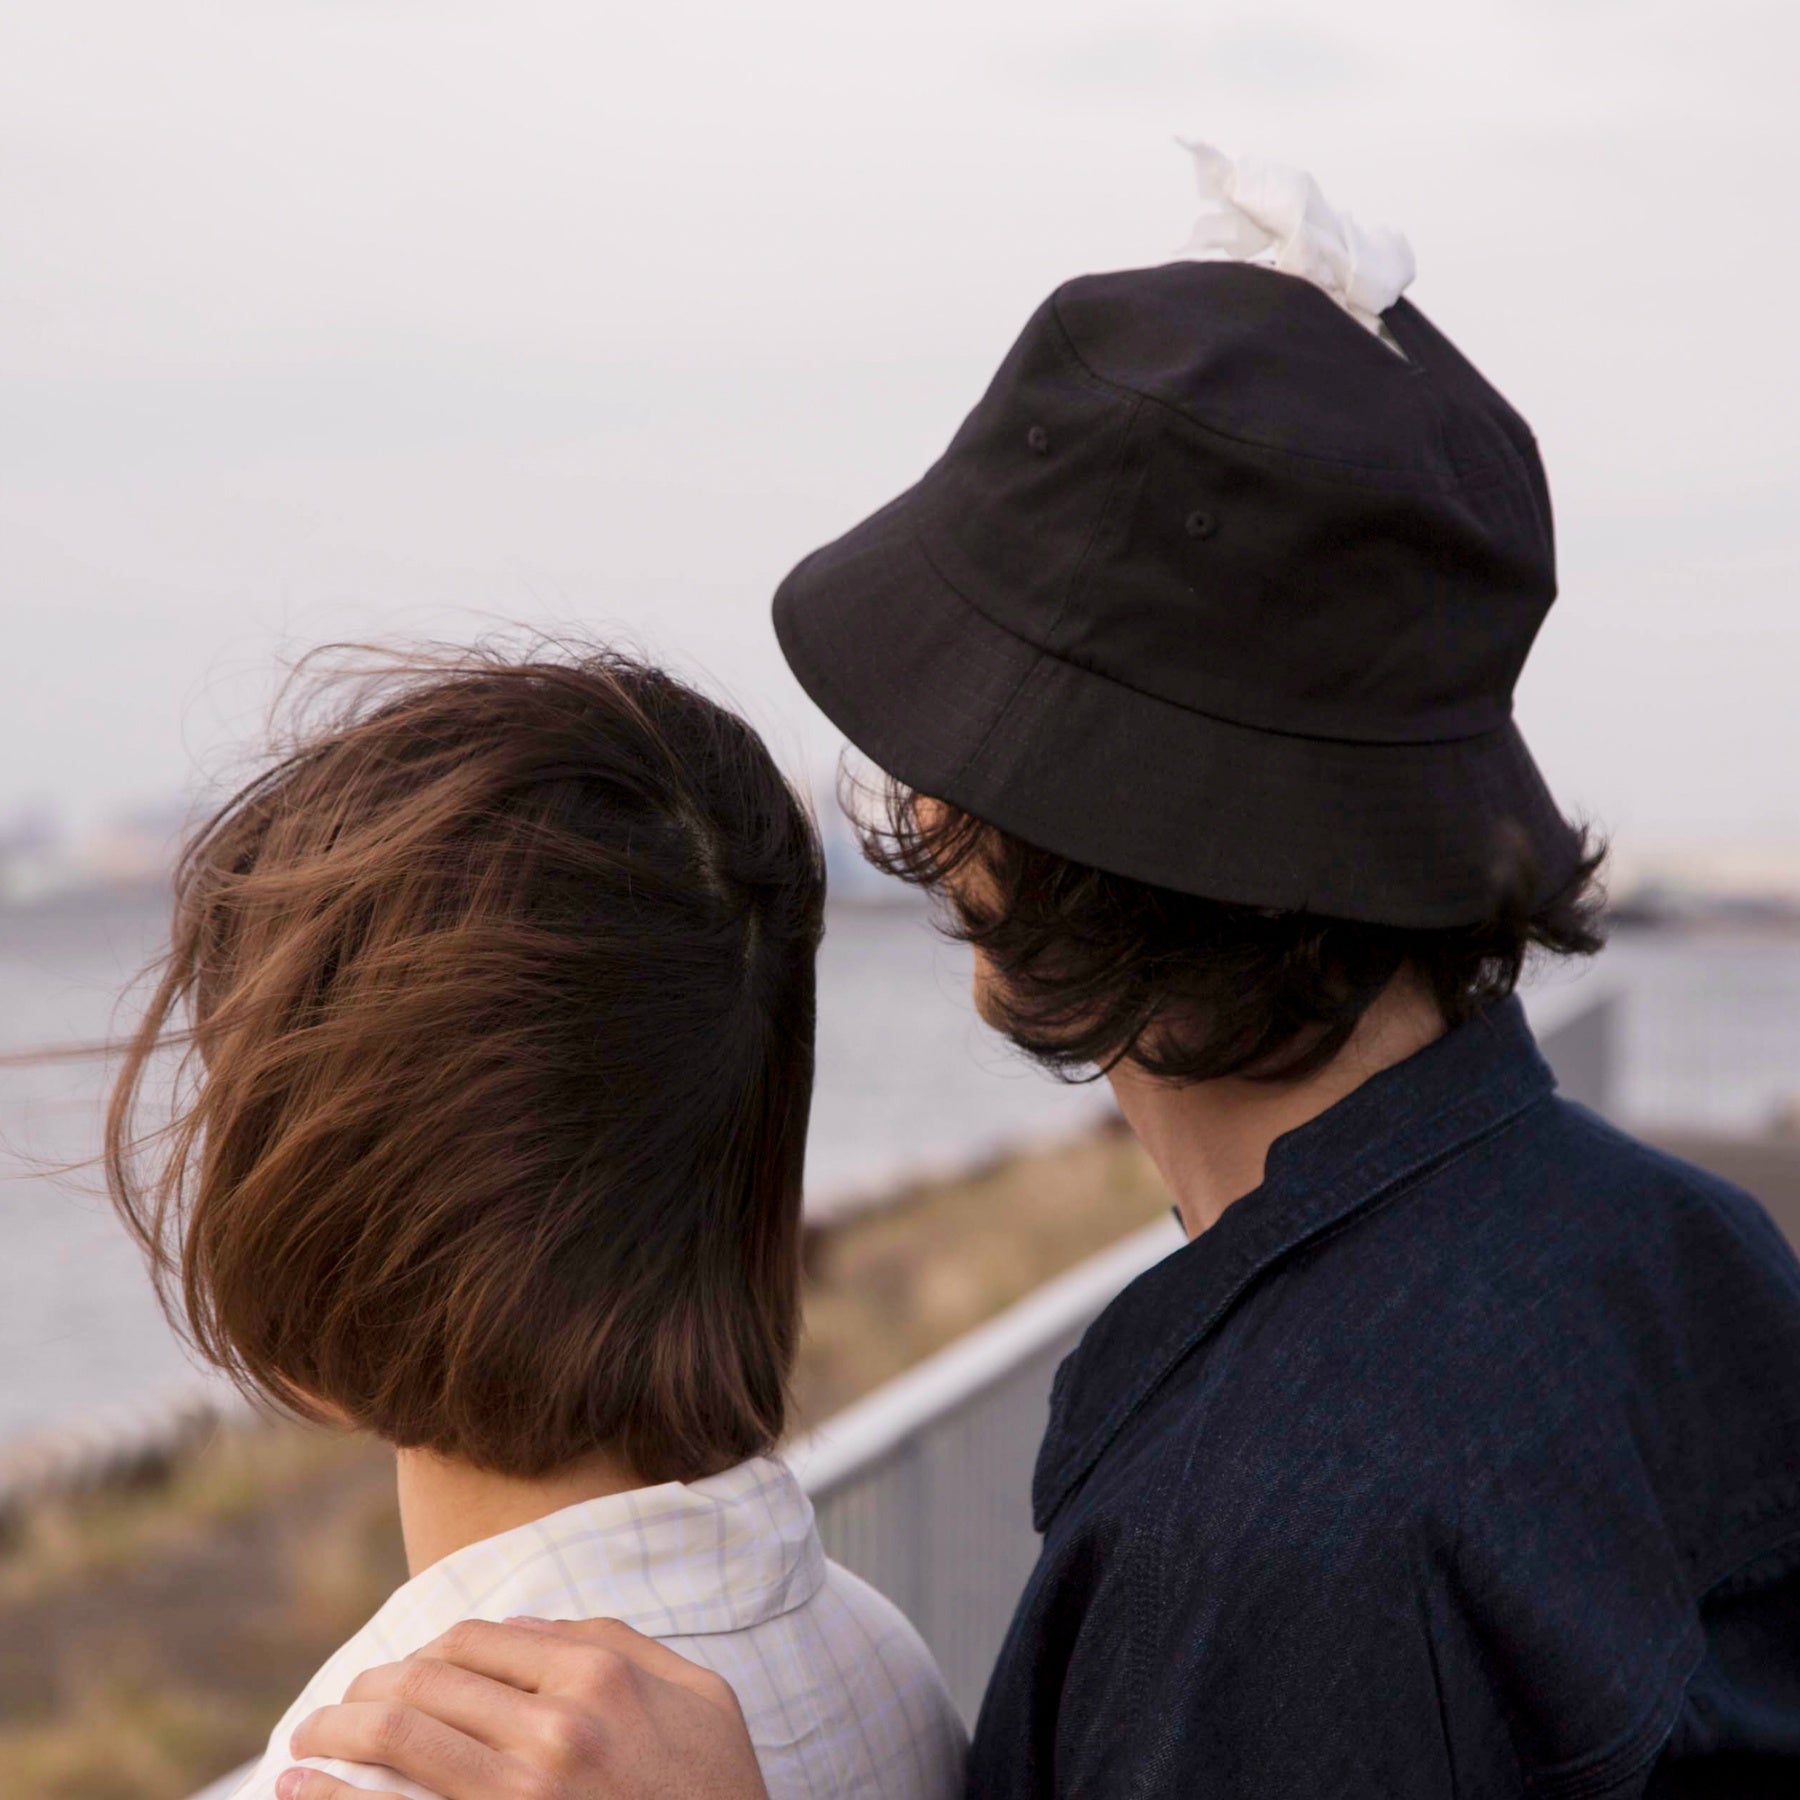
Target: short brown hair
[[1094, 969], [495, 999]]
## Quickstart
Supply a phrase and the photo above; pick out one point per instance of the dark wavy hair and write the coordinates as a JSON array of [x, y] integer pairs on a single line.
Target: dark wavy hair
[[493, 1002], [1094, 970]]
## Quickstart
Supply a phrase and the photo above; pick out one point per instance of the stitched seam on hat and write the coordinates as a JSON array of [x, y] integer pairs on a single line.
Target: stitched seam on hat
[[1324, 468], [1198, 712], [1100, 522], [1403, 312]]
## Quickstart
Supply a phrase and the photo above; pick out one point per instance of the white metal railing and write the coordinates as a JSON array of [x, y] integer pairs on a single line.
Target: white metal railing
[[923, 1488], [1578, 1026]]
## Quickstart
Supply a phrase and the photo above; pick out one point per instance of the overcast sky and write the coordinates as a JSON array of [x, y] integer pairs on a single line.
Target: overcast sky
[[392, 317]]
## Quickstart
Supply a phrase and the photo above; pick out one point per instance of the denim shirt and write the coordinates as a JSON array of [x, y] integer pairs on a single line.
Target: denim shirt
[[1461, 1458]]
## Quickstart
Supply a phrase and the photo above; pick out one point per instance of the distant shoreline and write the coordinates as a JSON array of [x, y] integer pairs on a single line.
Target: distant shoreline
[[1649, 906]]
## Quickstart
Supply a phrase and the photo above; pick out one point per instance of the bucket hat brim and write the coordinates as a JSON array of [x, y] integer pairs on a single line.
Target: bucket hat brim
[[936, 694]]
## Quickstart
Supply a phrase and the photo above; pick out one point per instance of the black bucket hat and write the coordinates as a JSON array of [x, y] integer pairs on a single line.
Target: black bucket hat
[[1216, 591]]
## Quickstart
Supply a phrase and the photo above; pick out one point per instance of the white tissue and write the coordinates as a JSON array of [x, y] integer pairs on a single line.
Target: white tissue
[[1276, 217]]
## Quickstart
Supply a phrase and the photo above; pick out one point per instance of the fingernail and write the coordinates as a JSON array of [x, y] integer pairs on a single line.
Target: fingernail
[[524, 1619], [288, 1787]]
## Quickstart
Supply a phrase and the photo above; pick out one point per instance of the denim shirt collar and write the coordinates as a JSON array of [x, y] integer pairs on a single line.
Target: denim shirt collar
[[1469, 1083]]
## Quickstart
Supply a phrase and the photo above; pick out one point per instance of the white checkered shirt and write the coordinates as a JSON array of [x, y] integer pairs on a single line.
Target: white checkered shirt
[[841, 1695]]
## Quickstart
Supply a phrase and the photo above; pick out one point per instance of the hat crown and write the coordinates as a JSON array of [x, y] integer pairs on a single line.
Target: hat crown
[[1214, 590], [1206, 482]]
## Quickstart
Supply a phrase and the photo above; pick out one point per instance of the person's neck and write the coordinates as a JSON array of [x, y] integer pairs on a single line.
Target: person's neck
[[446, 1505], [1210, 1140]]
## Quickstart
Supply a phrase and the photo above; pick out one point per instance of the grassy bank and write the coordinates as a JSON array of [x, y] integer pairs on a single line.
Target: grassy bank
[[150, 1638]]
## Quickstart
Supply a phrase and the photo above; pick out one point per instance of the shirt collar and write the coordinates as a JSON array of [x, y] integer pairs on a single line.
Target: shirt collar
[[1470, 1082], [685, 1558]]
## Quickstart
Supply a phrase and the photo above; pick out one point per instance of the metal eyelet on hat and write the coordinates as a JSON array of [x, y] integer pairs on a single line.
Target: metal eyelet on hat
[[1201, 524], [1039, 440]]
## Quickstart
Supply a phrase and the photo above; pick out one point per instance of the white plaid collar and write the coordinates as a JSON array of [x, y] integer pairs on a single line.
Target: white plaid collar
[[677, 1560]]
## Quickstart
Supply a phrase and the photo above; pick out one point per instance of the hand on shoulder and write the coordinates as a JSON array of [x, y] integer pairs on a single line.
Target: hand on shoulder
[[533, 1710]]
